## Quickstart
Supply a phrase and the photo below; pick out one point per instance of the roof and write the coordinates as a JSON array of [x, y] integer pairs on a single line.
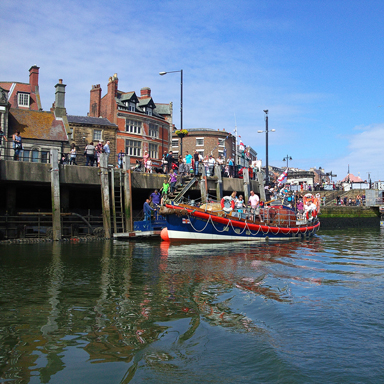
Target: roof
[[163, 109], [128, 96], [352, 179], [90, 120], [146, 101], [36, 125], [14, 88]]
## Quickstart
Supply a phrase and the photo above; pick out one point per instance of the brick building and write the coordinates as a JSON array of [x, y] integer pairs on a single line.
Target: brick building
[[24, 95], [40, 131], [206, 141], [86, 129], [142, 124]]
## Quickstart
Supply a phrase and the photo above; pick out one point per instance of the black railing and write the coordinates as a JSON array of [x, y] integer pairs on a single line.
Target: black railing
[[26, 155]]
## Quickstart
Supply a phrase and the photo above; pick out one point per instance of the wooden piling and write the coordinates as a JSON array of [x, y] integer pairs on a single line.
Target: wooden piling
[[203, 186], [219, 183], [260, 179], [55, 195], [104, 173], [246, 184]]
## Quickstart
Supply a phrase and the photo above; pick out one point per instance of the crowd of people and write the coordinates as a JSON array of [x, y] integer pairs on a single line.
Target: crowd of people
[[192, 163]]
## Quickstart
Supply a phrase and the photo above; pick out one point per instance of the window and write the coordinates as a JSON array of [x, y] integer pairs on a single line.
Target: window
[[97, 134], [35, 156], [221, 153], [44, 156], [153, 130], [132, 107], [148, 111], [153, 151], [133, 147], [200, 141], [26, 154], [221, 142], [175, 142], [200, 152], [23, 99], [133, 126]]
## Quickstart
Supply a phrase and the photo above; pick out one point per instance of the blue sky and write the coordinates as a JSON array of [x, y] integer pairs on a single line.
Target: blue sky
[[316, 65]]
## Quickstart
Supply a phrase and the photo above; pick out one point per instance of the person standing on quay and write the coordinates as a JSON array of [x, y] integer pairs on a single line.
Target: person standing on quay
[[17, 145], [90, 154], [72, 159], [170, 161], [107, 149]]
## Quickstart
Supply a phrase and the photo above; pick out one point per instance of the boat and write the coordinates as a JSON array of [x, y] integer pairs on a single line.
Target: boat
[[220, 221]]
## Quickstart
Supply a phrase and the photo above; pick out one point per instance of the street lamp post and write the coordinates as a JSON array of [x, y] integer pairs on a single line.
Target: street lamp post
[[286, 158], [266, 146], [181, 104]]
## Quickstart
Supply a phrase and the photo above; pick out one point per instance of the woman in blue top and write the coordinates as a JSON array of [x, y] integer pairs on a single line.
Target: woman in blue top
[[17, 145]]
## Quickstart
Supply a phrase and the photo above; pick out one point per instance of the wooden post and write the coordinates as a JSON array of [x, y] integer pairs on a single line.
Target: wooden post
[[55, 195], [246, 184], [127, 193], [219, 184], [260, 180], [105, 195], [203, 186]]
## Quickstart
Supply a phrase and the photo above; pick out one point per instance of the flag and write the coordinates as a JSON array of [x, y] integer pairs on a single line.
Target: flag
[[283, 177], [241, 146]]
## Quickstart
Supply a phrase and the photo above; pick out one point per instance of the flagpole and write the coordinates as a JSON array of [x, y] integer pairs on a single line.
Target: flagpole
[[235, 159]]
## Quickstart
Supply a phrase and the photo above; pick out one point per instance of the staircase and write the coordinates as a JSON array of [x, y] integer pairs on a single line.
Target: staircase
[[182, 189]]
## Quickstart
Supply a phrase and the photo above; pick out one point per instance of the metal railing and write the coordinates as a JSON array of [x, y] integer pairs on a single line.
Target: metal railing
[[39, 225]]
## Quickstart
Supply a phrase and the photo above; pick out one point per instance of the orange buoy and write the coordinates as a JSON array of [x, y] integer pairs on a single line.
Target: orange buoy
[[164, 234]]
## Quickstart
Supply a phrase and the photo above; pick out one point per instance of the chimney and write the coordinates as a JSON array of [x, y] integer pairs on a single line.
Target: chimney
[[95, 101], [34, 77], [60, 110], [111, 106], [145, 92]]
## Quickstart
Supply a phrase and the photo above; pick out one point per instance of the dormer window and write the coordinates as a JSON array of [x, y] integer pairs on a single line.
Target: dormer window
[[23, 99], [132, 107], [148, 111]]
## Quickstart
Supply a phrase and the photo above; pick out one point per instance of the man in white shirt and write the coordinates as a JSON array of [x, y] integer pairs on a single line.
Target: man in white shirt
[[254, 201], [211, 165]]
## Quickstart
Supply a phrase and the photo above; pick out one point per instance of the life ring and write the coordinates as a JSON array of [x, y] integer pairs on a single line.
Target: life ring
[[227, 203]]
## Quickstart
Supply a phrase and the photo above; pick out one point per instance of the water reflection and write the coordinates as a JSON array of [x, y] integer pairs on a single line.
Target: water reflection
[[71, 307]]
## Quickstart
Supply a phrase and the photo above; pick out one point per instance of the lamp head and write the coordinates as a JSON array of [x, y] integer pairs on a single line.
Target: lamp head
[[162, 73], [265, 110], [260, 131], [273, 130]]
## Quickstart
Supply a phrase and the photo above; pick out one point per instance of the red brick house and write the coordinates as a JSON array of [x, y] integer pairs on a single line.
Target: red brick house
[[142, 124], [24, 95], [40, 131]]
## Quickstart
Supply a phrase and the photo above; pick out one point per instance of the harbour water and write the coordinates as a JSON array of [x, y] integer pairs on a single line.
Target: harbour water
[[148, 312]]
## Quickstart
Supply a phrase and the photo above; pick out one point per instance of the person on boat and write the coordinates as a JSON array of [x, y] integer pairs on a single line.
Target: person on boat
[[147, 210], [155, 198], [254, 202], [239, 204], [310, 210]]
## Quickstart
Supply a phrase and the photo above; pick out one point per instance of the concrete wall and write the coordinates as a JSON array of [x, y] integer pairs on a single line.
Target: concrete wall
[[18, 171]]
